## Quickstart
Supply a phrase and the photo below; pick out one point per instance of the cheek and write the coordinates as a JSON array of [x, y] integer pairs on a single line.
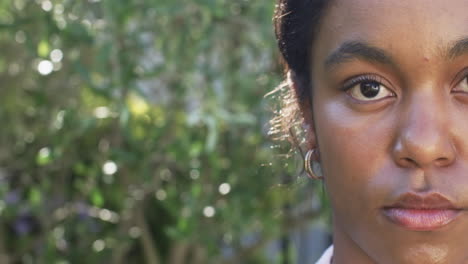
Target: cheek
[[355, 156]]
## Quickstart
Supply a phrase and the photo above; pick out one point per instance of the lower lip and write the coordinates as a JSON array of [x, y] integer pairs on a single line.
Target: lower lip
[[421, 219]]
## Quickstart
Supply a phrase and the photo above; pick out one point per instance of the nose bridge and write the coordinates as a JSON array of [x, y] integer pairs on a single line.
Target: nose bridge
[[423, 136]]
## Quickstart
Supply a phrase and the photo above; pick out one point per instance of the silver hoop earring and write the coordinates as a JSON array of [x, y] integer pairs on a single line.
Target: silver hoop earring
[[312, 167]]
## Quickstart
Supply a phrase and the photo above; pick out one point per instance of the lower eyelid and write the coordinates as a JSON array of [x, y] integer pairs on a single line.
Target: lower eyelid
[[370, 103]]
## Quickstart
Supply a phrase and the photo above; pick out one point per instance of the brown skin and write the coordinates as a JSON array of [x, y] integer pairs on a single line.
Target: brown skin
[[413, 138]]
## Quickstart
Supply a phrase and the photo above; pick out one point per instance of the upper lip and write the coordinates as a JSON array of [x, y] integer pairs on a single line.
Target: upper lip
[[425, 202]]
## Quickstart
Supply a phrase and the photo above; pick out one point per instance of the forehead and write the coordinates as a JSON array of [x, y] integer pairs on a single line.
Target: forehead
[[403, 27]]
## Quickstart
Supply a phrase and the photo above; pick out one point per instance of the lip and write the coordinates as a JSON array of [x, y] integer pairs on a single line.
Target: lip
[[422, 212]]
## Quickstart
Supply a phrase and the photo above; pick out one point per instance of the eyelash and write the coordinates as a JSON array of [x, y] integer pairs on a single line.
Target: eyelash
[[350, 83]]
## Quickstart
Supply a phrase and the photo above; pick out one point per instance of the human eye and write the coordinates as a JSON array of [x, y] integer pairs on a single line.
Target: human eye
[[462, 86], [367, 88]]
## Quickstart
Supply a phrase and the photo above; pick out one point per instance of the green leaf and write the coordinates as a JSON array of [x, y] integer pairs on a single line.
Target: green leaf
[[35, 196], [97, 199], [43, 157], [43, 49]]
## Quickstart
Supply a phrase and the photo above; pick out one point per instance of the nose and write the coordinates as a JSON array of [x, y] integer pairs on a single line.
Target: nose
[[424, 137]]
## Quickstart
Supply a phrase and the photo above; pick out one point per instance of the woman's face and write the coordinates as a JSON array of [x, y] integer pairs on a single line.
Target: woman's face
[[390, 111]]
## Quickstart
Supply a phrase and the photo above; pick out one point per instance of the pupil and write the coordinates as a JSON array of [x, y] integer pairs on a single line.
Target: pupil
[[370, 89]]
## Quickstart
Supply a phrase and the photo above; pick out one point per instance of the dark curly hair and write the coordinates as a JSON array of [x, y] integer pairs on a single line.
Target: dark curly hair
[[296, 24]]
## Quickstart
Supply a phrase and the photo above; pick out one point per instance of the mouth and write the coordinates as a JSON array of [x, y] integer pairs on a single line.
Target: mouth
[[422, 212]]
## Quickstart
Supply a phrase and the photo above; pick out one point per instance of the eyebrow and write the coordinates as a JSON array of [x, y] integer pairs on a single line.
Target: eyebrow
[[358, 50], [459, 47]]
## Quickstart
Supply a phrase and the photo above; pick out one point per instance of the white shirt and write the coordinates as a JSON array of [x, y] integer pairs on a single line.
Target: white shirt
[[326, 258]]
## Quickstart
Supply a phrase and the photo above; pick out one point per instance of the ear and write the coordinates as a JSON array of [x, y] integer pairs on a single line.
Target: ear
[[305, 107]]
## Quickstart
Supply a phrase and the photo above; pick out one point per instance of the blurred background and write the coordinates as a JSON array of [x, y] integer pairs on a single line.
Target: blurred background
[[136, 131]]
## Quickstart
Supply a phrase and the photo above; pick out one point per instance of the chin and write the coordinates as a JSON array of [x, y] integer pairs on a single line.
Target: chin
[[427, 254]]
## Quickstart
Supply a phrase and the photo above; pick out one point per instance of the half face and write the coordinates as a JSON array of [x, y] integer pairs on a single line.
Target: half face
[[390, 111]]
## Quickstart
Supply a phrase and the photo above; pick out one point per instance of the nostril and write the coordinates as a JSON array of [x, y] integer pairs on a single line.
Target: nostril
[[408, 163], [442, 162]]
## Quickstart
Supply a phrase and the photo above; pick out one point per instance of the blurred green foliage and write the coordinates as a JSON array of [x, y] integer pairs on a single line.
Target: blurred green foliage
[[136, 132]]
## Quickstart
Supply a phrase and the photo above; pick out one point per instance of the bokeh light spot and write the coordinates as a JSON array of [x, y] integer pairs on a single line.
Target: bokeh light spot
[[194, 174], [46, 5], [209, 211], [56, 55], [102, 112], [58, 9], [224, 188], [161, 195], [134, 232], [99, 245], [43, 157], [45, 67], [109, 167], [105, 215], [20, 37]]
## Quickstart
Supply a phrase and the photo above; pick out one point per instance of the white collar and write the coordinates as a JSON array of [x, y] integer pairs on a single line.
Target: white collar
[[326, 258]]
